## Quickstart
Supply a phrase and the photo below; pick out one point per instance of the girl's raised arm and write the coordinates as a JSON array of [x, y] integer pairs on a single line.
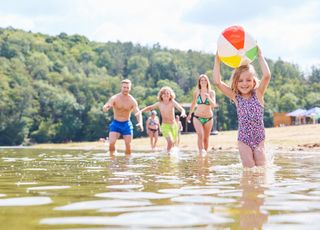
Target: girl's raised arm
[[225, 89], [266, 75]]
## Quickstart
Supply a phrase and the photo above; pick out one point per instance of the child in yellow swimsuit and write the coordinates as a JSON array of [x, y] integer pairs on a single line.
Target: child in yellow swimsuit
[[167, 105]]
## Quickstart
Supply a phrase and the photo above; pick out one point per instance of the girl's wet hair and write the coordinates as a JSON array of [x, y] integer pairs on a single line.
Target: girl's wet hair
[[236, 75], [208, 82], [163, 90]]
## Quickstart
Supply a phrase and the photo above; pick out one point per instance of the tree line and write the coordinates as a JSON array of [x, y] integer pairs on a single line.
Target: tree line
[[52, 88]]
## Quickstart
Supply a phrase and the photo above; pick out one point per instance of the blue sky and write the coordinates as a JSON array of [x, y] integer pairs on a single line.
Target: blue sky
[[285, 29]]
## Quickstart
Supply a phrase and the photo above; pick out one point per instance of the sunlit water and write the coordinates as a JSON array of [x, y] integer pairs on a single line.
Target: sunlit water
[[45, 189]]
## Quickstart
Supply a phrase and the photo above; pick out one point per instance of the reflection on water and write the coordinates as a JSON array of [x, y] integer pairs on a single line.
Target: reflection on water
[[86, 189], [253, 185]]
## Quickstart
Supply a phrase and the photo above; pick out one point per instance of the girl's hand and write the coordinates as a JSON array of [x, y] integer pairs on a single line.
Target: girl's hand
[[138, 113], [259, 51]]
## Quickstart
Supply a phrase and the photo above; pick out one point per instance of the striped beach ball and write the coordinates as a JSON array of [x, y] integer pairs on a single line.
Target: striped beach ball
[[236, 47]]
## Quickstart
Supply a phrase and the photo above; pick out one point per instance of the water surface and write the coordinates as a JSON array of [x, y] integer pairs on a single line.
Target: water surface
[[46, 189]]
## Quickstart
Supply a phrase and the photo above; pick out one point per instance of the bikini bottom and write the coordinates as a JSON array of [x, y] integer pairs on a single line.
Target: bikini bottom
[[203, 120]]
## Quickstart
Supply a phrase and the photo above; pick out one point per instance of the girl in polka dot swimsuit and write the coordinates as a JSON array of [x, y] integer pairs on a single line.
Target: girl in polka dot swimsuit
[[247, 93]]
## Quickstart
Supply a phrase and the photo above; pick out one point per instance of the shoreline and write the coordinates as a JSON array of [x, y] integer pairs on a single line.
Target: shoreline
[[288, 138]]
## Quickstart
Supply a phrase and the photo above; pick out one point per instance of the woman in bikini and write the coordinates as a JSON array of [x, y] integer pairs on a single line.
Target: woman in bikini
[[152, 127], [204, 98]]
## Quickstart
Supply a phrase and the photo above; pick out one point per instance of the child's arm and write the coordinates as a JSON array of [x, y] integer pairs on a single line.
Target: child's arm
[[266, 75], [225, 89], [193, 105], [180, 108], [138, 114], [148, 108]]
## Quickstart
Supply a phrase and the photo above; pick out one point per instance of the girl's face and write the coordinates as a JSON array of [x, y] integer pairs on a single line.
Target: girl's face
[[246, 83], [203, 82], [166, 95]]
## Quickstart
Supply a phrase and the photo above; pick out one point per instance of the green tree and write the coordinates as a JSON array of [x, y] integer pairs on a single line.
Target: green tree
[[137, 67], [315, 75], [52, 88], [288, 102], [38, 65]]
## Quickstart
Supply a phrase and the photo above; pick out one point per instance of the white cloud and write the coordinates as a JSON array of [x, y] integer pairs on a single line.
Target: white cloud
[[291, 35], [17, 21], [286, 29], [143, 21]]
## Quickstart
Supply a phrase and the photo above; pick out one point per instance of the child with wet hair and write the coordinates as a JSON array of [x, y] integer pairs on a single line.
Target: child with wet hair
[[167, 105]]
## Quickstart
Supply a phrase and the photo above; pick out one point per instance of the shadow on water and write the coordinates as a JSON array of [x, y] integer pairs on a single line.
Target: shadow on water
[[86, 189]]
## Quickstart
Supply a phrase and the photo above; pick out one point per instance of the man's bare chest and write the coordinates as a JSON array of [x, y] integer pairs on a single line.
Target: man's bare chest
[[123, 105]]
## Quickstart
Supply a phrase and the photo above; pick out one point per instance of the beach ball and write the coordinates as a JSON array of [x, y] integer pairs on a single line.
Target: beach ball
[[236, 47]]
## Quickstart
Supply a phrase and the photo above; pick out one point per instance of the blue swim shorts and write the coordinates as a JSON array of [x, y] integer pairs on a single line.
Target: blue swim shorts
[[122, 127]]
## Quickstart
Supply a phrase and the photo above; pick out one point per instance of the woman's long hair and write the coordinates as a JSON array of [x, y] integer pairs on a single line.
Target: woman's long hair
[[208, 82]]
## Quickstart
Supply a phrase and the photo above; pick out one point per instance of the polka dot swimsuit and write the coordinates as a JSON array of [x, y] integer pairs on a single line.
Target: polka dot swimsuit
[[250, 120]]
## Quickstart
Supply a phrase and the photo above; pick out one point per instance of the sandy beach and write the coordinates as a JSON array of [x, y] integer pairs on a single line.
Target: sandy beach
[[289, 138]]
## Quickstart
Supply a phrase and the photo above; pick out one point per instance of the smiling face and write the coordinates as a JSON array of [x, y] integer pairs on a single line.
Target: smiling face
[[246, 83], [166, 95], [244, 80], [203, 82]]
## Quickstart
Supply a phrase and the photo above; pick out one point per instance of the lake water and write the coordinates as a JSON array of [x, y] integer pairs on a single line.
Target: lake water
[[63, 189]]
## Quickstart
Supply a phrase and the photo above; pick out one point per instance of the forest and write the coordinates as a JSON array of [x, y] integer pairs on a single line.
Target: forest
[[52, 88]]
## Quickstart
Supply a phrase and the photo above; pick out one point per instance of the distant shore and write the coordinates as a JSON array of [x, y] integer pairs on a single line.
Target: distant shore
[[289, 138]]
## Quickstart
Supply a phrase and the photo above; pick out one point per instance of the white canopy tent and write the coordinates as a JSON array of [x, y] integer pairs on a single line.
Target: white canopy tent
[[299, 116], [297, 113], [314, 113]]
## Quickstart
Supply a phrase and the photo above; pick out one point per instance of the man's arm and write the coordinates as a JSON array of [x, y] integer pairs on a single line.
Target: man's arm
[[109, 104], [138, 114]]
